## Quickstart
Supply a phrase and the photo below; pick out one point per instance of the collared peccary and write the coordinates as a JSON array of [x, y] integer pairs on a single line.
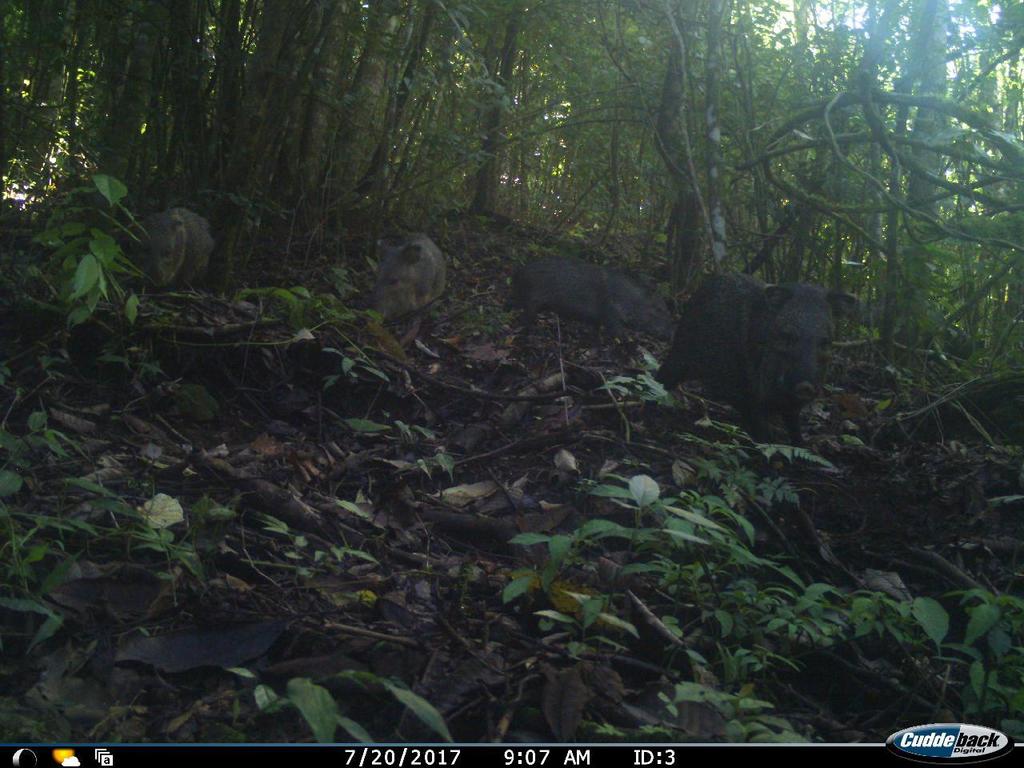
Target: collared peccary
[[410, 275], [761, 348], [174, 247], [597, 295]]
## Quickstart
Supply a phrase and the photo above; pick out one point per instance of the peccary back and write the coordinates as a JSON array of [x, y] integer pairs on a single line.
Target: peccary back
[[174, 249], [410, 275], [761, 348], [639, 306], [576, 290]]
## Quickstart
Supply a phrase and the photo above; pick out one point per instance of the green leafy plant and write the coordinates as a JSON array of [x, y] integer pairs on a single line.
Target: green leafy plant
[[88, 263], [323, 714]]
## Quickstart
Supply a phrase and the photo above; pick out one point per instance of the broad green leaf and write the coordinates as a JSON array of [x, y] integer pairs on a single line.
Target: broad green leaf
[[610, 491], [615, 621], [317, 707], [354, 729], [24, 606], [86, 276], [131, 309], [46, 630], [558, 547], [517, 587], [162, 511], [694, 517], [684, 536], [983, 618], [364, 425], [555, 616], [644, 490], [932, 617], [526, 539], [267, 699], [420, 707], [112, 189], [10, 483]]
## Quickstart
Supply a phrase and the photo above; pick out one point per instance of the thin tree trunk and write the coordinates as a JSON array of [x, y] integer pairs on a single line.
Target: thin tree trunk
[[320, 108], [380, 153], [716, 9], [486, 188], [229, 80]]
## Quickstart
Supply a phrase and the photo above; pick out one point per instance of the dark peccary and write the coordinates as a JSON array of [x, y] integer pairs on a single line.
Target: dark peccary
[[761, 348], [174, 248], [575, 290], [410, 275]]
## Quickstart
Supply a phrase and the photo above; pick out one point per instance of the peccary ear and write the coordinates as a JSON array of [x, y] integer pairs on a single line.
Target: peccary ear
[[411, 253], [843, 304], [777, 296]]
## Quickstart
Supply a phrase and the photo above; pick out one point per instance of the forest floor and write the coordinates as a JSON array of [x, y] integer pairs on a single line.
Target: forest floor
[[258, 519]]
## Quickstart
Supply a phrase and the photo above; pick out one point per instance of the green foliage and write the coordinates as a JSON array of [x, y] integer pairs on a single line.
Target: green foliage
[[699, 546], [303, 309], [324, 715], [87, 263], [746, 718]]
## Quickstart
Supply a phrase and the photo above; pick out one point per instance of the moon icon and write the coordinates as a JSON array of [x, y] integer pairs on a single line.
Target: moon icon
[[24, 758]]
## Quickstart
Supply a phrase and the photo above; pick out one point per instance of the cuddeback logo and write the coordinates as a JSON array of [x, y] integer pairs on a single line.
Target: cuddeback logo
[[949, 743]]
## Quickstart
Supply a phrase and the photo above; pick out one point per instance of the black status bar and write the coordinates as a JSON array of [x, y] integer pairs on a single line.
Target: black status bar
[[431, 755]]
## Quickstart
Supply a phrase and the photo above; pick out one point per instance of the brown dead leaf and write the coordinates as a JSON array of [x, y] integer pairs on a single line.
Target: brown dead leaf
[[565, 461], [683, 474], [552, 516], [486, 353], [563, 700], [72, 422], [267, 446], [852, 405], [385, 340], [463, 495]]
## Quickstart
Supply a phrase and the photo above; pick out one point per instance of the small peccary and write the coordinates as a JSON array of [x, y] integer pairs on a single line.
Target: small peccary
[[174, 248], [576, 290], [410, 275], [761, 348]]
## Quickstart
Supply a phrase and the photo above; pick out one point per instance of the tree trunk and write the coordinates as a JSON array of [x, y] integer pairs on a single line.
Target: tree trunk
[[364, 97], [128, 84], [716, 9], [486, 186], [321, 110], [687, 219], [378, 162], [228, 78]]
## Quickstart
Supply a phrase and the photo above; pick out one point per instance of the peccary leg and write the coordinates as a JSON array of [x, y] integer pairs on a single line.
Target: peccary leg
[[791, 419], [671, 371], [528, 316], [410, 335], [755, 423], [613, 325]]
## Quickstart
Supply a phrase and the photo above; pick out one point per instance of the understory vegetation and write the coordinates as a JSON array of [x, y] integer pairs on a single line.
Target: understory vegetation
[[247, 507]]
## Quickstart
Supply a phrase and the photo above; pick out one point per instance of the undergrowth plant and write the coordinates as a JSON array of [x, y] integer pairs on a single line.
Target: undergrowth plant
[[748, 615], [88, 263]]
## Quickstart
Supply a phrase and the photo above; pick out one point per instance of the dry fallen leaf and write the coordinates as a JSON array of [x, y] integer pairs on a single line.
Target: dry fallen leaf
[[565, 461], [163, 511], [461, 495]]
